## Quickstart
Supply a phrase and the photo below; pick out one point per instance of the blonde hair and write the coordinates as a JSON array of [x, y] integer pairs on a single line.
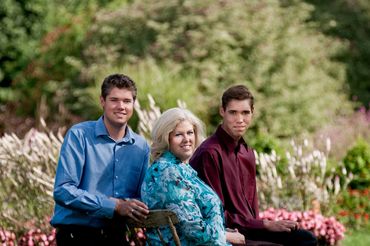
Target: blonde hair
[[167, 122]]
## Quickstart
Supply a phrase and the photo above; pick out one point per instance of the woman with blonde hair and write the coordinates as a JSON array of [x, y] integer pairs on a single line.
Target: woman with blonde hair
[[173, 184]]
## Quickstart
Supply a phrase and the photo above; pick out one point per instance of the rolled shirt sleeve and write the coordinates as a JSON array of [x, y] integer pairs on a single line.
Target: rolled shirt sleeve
[[68, 179]]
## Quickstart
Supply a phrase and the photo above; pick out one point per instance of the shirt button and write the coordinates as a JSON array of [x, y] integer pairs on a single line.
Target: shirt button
[[116, 193], [116, 160], [116, 177]]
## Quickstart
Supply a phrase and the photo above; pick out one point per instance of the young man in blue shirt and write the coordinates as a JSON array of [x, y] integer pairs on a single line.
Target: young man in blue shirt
[[100, 170]]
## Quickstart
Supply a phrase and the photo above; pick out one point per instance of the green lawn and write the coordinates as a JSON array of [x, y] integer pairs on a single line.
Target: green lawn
[[357, 238]]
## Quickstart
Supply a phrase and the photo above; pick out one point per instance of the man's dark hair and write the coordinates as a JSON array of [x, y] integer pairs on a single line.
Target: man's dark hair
[[120, 81], [237, 92]]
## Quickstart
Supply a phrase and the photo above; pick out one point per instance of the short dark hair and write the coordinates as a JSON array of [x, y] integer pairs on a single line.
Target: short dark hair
[[120, 81], [237, 92]]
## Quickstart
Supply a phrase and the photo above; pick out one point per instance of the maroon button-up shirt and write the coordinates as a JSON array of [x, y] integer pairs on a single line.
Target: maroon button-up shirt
[[229, 167]]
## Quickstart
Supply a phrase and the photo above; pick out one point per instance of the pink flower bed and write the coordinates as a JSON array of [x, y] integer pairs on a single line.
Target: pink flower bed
[[31, 238], [7, 237], [328, 230], [36, 237]]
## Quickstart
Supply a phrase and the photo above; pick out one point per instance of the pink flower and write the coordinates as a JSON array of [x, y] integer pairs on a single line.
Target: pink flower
[[325, 229]]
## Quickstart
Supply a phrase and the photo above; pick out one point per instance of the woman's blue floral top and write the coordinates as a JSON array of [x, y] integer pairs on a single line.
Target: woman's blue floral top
[[174, 185]]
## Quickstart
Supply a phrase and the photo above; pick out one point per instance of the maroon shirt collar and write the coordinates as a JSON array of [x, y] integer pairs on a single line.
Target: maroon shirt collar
[[228, 142]]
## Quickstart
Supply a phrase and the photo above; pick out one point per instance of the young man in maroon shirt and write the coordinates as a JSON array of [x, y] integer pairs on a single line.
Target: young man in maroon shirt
[[226, 163]]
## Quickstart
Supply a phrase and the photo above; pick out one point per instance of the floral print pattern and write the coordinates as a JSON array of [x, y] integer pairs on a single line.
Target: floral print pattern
[[171, 184]]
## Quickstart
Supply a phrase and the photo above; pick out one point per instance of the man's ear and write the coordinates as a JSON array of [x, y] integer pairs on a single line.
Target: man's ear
[[102, 101], [222, 111]]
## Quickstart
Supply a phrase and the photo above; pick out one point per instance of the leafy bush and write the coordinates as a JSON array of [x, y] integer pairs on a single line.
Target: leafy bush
[[279, 54], [357, 161], [21, 30], [39, 43], [354, 208], [349, 21], [328, 231], [264, 143], [166, 86]]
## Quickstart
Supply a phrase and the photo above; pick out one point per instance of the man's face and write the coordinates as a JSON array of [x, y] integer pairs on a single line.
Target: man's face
[[118, 107], [237, 117]]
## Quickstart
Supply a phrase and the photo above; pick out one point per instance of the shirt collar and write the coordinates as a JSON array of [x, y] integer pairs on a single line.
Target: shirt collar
[[101, 130], [173, 159], [228, 142], [169, 156]]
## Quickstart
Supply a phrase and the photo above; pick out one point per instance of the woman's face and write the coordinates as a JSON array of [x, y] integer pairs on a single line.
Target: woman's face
[[182, 141]]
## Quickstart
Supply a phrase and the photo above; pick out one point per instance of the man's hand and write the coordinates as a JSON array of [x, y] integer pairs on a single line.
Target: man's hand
[[234, 237], [132, 208], [281, 225]]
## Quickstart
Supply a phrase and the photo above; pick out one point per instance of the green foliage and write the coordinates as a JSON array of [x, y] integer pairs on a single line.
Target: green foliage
[[304, 182], [357, 161], [46, 85], [357, 237], [264, 143], [21, 28], [167, 86], [272, 48], [41, 86], [354, 208], [350, 22]]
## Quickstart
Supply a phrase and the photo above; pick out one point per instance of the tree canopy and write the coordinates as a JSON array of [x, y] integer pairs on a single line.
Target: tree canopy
[[189, 50]]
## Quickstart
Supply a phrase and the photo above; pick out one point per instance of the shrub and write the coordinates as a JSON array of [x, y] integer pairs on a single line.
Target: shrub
[[165, 84], [349, 20], [343, 132], [327, 230], [273, 55], [264, 143], [27, 169], [357, 161], [306, 179], [354, 208]]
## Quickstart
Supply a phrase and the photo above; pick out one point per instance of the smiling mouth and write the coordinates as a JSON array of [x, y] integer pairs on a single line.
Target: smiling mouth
[[120, 114]]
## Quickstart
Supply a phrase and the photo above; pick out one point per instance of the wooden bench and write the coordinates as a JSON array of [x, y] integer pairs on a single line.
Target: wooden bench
[[157, 218]]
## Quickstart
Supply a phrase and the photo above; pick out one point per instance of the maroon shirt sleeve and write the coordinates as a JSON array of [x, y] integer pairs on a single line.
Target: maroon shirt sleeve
[[208, 164]]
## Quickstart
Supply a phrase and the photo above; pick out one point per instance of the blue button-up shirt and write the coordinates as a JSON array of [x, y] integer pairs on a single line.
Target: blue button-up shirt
[[92, 168]]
